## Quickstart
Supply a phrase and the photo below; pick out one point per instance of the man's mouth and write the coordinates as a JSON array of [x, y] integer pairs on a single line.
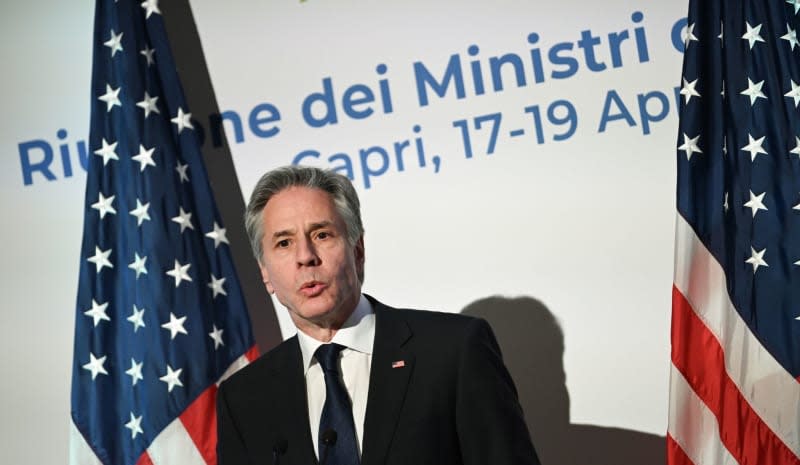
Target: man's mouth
[[312, 288]]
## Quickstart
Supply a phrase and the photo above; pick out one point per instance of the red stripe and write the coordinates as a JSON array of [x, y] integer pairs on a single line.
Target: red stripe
[[676, 455], [252, 354], [200, 418], [698, 355], [200, 421], [144, 459]]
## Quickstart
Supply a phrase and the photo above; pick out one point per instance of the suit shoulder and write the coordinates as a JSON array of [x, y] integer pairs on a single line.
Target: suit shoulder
[[266, 363], [434, 321]]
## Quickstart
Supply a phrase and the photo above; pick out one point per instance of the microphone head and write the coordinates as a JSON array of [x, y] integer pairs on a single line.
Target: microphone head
[[280, 446], [329, 437]]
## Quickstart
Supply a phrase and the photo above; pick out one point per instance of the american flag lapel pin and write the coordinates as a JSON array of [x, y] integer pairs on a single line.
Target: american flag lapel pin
[[398, 364]]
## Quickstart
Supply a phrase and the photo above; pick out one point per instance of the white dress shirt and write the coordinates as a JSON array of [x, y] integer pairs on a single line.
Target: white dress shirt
[[357, 335]]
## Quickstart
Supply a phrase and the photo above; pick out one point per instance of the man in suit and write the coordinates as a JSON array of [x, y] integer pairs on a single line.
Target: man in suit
[[361, 382]]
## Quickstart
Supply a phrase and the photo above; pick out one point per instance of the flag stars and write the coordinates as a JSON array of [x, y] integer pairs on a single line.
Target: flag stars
[[796, 149], [216, 335], [218, 235], [181, 169], [690, 146], [100, 258], [144, 157], [104, 205], [753, 91], [114, 43], [180, 273], [111, 97], [689, 36], [137, 318], [756, 203], [175, 325], [148, 55], [182, 120], [135, 371], [794, 93], [757, 259], [95, 365], [216, 286], [791, 37], [752, 35], [139, 264], [98, 312], [795, 4], [150, 6], [148, 104], [184, 219], [172, 378], [107, 152], [141, 212], [688, 90], [135, 425], [754, 147]]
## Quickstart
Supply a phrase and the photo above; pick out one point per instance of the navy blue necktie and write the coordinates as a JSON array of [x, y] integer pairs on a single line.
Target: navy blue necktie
[[337, 413]]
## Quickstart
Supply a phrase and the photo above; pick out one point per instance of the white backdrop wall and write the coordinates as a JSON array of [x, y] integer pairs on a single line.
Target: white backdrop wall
[[577, 213]]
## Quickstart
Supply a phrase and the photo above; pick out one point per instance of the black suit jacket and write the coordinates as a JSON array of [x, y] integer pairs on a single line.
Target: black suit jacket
[[453, 401]]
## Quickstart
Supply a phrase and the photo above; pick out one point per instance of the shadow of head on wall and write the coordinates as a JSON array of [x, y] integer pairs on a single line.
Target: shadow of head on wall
[[532, 344]]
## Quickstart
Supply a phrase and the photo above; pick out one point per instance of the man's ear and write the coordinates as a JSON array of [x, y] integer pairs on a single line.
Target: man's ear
[[265, 278]]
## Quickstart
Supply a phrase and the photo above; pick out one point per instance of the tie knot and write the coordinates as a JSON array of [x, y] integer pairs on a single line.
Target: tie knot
[[327, 355]]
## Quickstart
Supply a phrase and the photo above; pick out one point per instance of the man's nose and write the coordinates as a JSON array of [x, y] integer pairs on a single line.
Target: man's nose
[[307, 253]]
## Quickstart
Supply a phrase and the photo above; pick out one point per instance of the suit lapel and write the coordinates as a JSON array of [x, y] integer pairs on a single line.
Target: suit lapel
[[294, 411], [392, 365]]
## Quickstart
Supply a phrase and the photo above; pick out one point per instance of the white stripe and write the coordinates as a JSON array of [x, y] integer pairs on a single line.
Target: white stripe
[[771, 391], [693, 426], [79, 452], [237, 365], [174, 446]]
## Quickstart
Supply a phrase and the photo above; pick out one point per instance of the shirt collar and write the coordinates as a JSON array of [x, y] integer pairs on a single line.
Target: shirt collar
[[357, 333]]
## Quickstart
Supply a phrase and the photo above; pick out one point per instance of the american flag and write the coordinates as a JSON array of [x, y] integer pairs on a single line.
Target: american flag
[[160, 315], [734, 394]]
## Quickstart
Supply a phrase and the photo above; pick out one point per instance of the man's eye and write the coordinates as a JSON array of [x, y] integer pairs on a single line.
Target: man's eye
[[323, 235], [283, 244]]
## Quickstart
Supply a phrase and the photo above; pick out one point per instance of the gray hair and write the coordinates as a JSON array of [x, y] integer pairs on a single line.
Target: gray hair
[[341, 190]]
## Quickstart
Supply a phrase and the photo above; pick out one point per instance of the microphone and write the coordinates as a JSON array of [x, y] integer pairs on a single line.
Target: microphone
[[329, 440], [278, 449]]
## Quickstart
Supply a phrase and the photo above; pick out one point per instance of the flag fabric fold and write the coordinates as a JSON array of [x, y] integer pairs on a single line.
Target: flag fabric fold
[[734, 390], [160, 316]]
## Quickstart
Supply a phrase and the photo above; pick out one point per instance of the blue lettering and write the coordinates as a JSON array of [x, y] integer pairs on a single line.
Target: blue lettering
[[613, 97], [351, 99], [677, 39], [587, 43], [648, 117], [42, 166], [556, 59], [369, 172], [495, 63], [641, 40], [325, 98], [424, 79], [347, 165], [263, 114], [300, 157]]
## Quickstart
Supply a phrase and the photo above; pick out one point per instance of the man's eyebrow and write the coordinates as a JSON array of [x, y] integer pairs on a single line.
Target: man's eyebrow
[[320, 225], [282, 233]]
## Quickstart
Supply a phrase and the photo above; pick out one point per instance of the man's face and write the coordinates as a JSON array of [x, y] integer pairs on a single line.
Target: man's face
[[307, 261]]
